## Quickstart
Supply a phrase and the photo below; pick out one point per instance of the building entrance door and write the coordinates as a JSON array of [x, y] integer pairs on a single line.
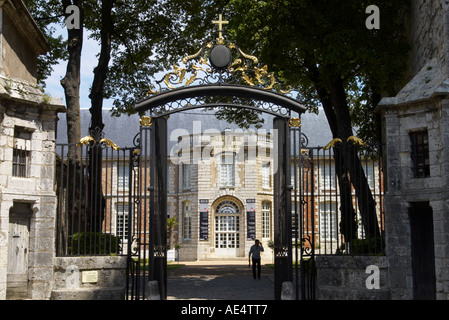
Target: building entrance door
[[227, 240], [227, 230]]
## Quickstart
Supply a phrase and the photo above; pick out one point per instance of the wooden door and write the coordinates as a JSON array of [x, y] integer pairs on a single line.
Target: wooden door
[[18, 247], [423, 252]]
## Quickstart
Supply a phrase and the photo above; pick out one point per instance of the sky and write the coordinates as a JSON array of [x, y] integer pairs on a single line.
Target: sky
[[88, 62]]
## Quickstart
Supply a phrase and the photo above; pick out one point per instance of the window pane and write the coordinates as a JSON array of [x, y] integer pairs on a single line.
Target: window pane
[[266, 219], [328, 221], [266, 175], [227, 171], [123, 177], [186, 175], [327, 176], [187, 220], [20, 163], [122, 210], [420, 154]]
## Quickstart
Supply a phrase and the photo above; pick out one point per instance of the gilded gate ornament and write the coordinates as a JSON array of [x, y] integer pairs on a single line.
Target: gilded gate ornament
[[295, 123], [88, 140], [197, 69], [145, 121], [85, 141], [109, 144], [355, 140]]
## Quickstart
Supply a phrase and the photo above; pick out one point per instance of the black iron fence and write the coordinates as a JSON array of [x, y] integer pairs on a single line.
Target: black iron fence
[[342, 200], [104, 194], [95, 187]]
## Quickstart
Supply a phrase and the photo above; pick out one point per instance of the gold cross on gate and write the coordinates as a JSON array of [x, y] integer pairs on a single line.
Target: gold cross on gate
[[220, 23]]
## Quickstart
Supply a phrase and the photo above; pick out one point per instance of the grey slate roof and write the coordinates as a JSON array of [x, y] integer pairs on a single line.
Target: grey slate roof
[[430, 81], [123, 129]]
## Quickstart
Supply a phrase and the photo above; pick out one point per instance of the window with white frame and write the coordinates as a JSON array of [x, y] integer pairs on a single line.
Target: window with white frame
[[186, 175], [123, 177], [327, 172], [187, 220], [266, 219], [227, 170], [328, 221], [122, 216], [369, 173], [266, 175]]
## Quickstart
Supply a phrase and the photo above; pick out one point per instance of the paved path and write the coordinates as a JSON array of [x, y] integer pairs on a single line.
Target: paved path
[[219, 280]]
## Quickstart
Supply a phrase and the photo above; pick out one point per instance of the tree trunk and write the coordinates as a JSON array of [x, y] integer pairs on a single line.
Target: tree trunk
[[71, 82], [348, 222], [351, 160], [347, 163], [96, 199], [68, 222], [100, 72]]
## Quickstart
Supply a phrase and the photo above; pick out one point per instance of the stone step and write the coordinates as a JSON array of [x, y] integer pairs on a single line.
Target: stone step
[[105, 293]]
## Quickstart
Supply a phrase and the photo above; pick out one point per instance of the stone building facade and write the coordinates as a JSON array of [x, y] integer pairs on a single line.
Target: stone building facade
[[415, 126], [27, 155], [224, 197]]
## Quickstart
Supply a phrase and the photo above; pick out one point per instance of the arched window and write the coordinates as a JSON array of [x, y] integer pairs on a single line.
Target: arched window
[[227, 227], [227, 207]]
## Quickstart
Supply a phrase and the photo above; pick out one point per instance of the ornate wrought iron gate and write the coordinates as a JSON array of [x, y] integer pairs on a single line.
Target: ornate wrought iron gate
[[231, 79], [147, 254], [303, 223]]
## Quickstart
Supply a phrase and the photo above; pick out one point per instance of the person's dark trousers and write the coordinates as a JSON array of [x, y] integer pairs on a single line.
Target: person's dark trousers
[[256, 262]]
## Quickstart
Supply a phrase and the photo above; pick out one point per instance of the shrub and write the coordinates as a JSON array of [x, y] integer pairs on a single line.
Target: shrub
[[370, 246], [94, 243]]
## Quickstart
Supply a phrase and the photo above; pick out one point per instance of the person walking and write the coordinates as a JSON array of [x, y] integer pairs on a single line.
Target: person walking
[[255, 251]]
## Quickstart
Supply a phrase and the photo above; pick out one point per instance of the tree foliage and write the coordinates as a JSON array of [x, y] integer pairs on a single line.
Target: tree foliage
[[310, 42]]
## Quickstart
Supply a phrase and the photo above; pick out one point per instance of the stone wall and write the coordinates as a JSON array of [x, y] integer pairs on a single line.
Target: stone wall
[[345, 277], [428, 33], [36, 190], [404, 190], [89, 278]]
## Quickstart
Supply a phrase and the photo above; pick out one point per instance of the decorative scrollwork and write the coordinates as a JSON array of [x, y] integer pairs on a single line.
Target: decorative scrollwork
[[304, 140], [332, 143], [97, 133], [87, 140], [307, 248], [97, 138], [356, 141], [353, 139], [185, 59], [207, 102], [109, 144], [196, 69]]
